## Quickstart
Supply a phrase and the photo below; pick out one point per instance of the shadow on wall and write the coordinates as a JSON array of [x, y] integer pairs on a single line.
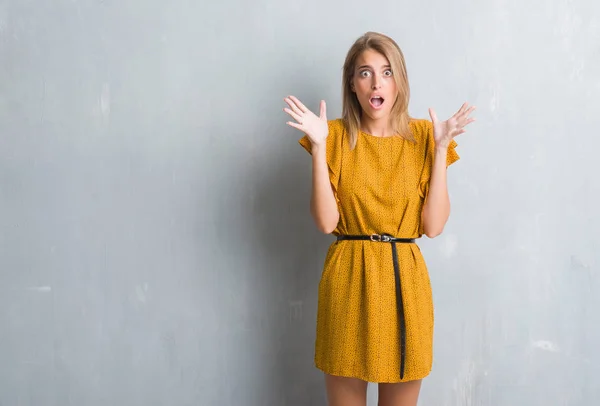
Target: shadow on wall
[[287, 258], [276, 253], [278, 259]]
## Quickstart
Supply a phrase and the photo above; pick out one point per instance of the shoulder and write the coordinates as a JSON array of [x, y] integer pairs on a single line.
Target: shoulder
[[336, 127], [337, 133], [422, 130]]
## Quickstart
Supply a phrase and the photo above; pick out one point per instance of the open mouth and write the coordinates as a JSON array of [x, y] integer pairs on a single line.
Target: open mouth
[[376, 102]]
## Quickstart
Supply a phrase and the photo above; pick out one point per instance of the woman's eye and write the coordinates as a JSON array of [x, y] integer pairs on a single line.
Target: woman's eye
[[388, 72], [364, 73]]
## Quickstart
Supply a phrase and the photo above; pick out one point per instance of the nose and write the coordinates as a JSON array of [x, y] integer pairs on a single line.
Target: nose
[[376, 82]]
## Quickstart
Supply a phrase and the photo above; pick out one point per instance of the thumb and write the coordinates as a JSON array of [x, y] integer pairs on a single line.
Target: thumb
[[323, 113], [432, 115]]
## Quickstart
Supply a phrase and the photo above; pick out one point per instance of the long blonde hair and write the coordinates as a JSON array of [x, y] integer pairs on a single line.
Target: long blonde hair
[[351, 110]]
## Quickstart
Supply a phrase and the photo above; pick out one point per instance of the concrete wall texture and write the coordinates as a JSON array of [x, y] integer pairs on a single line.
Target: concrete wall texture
[[156, 246]]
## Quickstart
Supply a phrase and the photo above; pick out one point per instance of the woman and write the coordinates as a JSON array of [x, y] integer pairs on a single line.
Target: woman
[[378, 183]]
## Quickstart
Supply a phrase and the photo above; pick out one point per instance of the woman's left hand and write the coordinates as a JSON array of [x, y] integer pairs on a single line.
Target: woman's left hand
[[445, 131]]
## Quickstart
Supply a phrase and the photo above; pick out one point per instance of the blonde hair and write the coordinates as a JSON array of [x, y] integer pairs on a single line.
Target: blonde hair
[[351, 110]]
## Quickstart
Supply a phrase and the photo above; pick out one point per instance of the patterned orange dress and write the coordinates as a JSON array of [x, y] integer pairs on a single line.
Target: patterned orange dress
[[380, 187]]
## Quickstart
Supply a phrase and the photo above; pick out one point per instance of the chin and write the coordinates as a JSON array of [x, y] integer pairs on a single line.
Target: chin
[[377, 114]]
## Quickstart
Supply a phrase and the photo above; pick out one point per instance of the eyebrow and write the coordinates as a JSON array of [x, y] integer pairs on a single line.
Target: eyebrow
[[370, 67]]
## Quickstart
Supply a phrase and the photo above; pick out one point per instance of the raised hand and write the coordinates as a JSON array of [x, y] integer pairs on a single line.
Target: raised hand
[[445, 131], [315, 127]]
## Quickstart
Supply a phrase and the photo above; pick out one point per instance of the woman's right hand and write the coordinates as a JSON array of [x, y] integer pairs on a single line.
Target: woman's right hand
[[314, 127]]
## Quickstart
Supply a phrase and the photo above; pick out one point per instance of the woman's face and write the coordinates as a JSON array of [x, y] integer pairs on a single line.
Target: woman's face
[[374, 84]]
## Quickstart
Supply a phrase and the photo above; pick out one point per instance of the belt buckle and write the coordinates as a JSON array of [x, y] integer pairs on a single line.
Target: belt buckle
[[380, 238]]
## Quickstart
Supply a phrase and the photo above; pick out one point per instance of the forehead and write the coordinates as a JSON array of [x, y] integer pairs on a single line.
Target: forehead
[[372, 58]]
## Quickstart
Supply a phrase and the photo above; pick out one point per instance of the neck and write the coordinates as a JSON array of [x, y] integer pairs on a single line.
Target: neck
[[378, 128]]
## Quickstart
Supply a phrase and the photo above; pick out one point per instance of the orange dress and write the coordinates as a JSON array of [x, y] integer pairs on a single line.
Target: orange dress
[[380, 187]]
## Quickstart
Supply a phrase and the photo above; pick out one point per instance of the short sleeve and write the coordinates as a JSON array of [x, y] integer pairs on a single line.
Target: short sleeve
[[333, 152], [428, 156]]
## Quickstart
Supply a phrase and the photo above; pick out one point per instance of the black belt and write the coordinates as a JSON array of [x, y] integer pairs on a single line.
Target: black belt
[[399, 305]]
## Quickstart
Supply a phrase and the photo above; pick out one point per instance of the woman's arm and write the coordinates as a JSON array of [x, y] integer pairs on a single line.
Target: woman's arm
[[436, 209], [323, 205]]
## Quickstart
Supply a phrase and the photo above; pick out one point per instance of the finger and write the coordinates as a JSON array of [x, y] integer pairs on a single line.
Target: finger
[[301, 106], [466, 121], [469, 111], [456, 133], [295, 125], [433, 115], [323, 113], [462, 109], [293, 114], [293, 105]]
